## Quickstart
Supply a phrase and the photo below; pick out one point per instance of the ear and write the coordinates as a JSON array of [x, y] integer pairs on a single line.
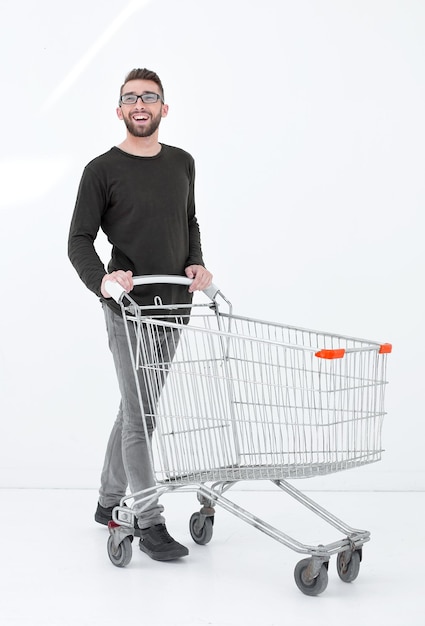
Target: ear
[[119, 113], [164, 110]]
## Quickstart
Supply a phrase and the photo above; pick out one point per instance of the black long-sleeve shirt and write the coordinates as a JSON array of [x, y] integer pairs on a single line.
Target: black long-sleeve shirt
[[146, 208]]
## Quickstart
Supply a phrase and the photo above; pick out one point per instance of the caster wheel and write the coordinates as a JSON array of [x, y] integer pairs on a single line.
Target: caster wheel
[[122, 556], [201, 535], [348, 565], [310, 587]]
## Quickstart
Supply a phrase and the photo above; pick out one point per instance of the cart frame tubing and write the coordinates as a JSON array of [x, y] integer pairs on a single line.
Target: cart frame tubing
[[210, 495], [354, 538]]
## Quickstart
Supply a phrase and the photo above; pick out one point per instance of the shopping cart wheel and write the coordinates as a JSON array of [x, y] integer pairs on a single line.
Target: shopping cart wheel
[[310, 586], [201, 528], [348, 565], [121, 556]]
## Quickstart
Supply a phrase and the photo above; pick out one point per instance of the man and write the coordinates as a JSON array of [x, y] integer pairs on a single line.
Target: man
[[141, 194]]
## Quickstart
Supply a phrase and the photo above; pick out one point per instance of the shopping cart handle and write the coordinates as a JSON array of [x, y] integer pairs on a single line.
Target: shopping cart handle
[[116, 291]]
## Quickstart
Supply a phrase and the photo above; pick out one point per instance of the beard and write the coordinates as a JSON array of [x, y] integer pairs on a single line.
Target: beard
[[142, 131]]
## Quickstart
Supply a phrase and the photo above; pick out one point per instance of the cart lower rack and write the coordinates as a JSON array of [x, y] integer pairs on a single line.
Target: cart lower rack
[[235, 399]]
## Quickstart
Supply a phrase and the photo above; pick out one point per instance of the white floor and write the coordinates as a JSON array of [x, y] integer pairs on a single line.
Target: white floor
[[55, 569]]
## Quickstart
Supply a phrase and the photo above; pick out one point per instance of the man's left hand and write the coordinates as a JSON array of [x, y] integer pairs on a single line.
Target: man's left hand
[[202, 278]]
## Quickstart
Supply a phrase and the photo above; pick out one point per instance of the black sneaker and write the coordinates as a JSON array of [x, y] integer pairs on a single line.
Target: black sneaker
[[157, 543], [103, 515]]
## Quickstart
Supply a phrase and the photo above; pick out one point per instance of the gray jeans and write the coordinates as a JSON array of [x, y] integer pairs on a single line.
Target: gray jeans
[[127, 461]]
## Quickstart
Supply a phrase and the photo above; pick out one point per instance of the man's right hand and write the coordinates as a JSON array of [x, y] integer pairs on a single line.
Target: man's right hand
[[125, 279]]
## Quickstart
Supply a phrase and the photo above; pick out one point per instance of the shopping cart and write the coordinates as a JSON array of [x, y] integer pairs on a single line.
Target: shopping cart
[[239, 399]]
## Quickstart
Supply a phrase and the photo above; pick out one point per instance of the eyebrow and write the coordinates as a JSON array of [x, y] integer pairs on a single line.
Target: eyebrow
[[143, 92]]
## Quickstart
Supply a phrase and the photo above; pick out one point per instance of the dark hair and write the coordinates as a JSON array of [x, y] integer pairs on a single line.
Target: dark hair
[[143, 74]]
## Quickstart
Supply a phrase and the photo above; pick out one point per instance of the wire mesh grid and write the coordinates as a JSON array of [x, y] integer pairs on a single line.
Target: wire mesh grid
[[240, 399]]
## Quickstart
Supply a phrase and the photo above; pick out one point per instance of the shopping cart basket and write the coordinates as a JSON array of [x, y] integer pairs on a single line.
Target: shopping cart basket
[[239, 399]]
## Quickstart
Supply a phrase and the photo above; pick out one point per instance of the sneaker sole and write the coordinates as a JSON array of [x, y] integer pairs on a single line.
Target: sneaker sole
[[164, 556]]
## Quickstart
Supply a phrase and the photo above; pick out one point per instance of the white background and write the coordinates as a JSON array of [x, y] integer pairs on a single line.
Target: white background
[[306, 121]]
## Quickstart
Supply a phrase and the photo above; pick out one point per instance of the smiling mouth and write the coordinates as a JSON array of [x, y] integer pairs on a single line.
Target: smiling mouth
[[140, 118]]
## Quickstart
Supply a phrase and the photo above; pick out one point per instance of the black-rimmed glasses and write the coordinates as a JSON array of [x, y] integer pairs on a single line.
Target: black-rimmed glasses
[[149, 97]]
